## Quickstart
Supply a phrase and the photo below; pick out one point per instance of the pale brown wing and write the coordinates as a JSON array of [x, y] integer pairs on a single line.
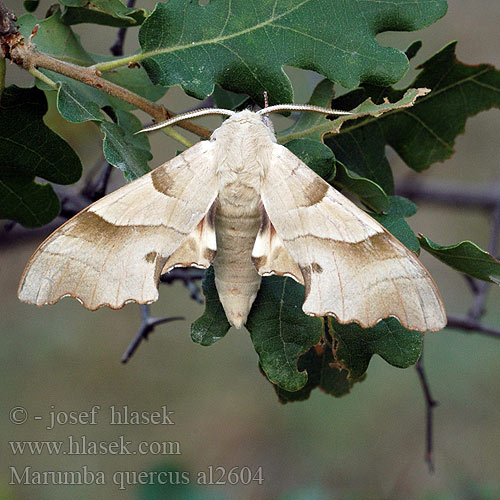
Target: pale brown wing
[[113, 252], [352, 267], [269, 254]]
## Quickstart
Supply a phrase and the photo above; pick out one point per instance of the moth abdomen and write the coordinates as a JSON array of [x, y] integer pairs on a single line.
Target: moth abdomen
[[236, 278]]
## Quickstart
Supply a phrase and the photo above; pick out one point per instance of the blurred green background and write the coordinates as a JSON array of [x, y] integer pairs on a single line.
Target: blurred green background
[[367, 445]]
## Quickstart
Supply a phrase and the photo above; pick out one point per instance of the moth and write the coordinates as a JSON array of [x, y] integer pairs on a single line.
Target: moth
[[248, 206]]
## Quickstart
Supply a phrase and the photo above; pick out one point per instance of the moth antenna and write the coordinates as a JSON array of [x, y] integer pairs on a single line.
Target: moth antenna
[[187, 116], [301, 107]]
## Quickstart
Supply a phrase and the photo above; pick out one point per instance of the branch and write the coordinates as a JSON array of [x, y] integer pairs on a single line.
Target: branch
[[430, 404], [486, 197], [28, 57], [148, 324], [94, 190], [481, 288], [187, 276], [117, 48], [25, 54], [472, 325], [449, 192]]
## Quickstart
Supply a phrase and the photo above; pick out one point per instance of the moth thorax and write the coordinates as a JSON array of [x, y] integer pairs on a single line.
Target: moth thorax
[[239, 185], [240, 176]]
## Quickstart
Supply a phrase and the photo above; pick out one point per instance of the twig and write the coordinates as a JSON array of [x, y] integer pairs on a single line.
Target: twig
[[102, 182], [148, 324], [206, 103], [94, 190], [430, 404], [495, 230], [473, 283], [472, 325], [117, 48], [42, 77], [486, 197], [187, 276], [449, 193], [478, 307], [28, 57], [73, 202]]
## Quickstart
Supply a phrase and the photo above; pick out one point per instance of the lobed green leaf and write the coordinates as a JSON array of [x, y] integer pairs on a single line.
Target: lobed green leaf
[[281, 332], [29, 149], [394, 221], [323, 373], [425, 133], [125, 150], [368, 191], [315, 155], [213, 324], [354, 346], [106, 12], [366, 160], [243, 46], [465, 257], [78, 102], [31, 5], [228, 100]]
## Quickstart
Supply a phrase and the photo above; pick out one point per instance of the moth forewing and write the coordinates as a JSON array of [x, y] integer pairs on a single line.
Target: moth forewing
[[113, 252]]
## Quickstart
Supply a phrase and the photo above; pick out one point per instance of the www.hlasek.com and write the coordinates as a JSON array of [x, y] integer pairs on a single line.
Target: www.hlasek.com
[[81, 445], [123, 479]]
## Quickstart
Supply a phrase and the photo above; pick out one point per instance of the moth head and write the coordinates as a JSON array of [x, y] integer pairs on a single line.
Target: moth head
[[246, 125]]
